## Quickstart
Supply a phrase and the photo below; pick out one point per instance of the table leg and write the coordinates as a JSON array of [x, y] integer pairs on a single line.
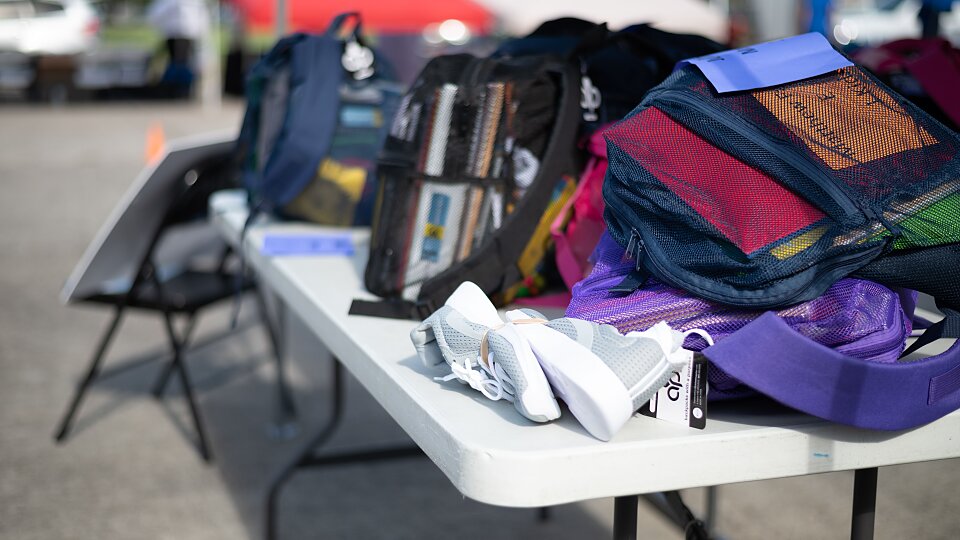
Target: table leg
[[308, 458], [710, 514], [286, 425], [543, 514], [864, 503], [625, 517], [322, 435]]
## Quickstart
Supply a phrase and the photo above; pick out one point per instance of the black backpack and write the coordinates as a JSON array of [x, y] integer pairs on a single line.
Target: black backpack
[[476, 154], [616, 67]]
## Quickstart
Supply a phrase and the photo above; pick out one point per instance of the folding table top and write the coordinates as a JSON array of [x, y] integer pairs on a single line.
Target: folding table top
[[494, 455]]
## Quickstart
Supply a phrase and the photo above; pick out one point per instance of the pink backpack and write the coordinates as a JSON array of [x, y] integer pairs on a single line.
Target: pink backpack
[[927, 71], [578, 227]]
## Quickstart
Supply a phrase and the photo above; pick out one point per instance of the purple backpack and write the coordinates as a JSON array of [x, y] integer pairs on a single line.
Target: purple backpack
[[836, 356]]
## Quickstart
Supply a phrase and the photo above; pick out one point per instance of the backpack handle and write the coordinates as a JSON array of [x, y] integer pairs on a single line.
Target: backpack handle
[[638, 43], [338, 24]]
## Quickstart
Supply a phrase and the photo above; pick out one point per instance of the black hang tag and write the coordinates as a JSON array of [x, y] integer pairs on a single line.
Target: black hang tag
[[683, 399], [698, 391]]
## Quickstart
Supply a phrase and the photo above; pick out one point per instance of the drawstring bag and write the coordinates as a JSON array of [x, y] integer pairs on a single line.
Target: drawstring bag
[[860, 319]]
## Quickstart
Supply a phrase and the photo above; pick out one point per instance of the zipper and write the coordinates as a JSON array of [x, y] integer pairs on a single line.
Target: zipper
[[649, 258], [632, 244], [890, 343], [750, 132], [649, 261]]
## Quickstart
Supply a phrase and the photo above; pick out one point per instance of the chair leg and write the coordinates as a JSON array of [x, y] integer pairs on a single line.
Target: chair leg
[[276, 335], [160, 385], [67, 421], [178, 364]]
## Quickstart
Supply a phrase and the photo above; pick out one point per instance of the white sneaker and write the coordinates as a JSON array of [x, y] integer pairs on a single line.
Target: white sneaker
[[454, 334], [603, 376]]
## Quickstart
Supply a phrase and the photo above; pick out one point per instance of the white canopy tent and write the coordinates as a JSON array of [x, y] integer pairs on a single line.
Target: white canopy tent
[[709, 19]]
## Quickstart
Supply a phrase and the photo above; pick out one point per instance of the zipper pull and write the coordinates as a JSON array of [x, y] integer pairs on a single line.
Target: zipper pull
[[638, 276], [635, 248], [639, 268], [631, 243]]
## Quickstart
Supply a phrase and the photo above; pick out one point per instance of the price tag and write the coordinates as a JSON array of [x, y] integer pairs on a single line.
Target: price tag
[[683, 400], [769, 64]]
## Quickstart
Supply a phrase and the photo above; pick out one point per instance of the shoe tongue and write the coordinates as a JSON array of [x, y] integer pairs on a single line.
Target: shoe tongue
[[474, 305]]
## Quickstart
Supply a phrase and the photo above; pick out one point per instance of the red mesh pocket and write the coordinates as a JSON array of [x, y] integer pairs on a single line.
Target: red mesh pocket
[[748, 207]]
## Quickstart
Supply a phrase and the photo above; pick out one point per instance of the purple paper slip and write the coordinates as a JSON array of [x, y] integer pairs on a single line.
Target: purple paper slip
[[769, 64], [308, 244]]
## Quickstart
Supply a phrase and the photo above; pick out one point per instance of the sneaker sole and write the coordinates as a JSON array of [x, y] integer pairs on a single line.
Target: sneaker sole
[[591, 390], [537, 402]]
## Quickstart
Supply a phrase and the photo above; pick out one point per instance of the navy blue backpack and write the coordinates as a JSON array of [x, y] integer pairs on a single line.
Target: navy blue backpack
[[317, 107]]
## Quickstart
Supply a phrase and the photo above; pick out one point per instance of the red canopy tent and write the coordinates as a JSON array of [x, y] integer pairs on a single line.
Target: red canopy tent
[[381, 16]]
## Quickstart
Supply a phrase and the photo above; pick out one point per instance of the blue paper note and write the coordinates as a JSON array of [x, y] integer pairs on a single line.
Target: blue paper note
[[307, 244], [769, 64]]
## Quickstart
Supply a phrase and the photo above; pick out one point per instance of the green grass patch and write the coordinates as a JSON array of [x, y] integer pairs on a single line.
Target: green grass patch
[[144, 37], [133, 36]]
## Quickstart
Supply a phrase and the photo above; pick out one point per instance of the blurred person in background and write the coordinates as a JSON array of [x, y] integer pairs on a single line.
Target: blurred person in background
[[818, 13], [183, 24], [930, 15]]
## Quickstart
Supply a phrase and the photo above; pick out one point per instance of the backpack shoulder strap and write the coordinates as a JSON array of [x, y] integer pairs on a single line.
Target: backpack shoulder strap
[[948, 327], [931, 270], [775, 360], [316, 73], [254, 87]]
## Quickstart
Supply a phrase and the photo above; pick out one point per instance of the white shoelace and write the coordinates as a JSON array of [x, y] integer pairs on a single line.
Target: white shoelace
[[698, 331], [490, 379], [663, 335], [492, 382]]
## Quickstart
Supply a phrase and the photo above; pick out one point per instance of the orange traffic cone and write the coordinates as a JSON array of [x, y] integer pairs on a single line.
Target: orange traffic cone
[[155, 143]]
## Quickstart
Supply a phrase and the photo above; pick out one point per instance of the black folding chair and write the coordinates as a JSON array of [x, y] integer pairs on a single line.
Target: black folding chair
[[184, 296]]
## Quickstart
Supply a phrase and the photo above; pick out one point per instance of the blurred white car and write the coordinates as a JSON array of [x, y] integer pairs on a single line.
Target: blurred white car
[[871, 22], [48, 27]]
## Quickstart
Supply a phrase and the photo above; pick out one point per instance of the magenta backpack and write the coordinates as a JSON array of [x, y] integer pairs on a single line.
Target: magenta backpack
[[927, 71], [578, 226]]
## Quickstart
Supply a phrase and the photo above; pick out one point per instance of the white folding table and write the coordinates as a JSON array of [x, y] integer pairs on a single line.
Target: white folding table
[[493, 455]]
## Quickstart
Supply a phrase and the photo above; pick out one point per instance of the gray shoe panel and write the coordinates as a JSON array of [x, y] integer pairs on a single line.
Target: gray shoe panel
[[630, 358]]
